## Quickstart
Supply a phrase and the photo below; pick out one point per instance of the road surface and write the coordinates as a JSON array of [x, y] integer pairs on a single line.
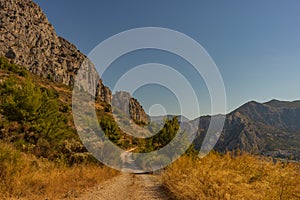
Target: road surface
[[128, 187]]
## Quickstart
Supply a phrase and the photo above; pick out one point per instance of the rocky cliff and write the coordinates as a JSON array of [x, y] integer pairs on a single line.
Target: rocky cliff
[[129, 106], [27, 38]]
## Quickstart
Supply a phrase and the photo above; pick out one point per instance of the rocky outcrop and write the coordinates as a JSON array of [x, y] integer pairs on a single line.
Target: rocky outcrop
[[130, 107], [137, 112], [27, 38]]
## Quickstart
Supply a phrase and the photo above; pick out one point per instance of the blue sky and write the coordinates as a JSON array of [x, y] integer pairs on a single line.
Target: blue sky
[[255, 44]]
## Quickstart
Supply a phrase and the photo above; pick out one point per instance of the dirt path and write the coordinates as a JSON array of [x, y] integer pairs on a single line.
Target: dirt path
[[128, 187]]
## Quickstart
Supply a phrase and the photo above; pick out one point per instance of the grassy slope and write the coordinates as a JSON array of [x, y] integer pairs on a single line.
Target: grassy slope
[[226, 177], [25, 176], [55, 166]]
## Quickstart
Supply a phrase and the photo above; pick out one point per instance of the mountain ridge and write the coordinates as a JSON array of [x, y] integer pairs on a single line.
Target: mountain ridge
[[271, 128]]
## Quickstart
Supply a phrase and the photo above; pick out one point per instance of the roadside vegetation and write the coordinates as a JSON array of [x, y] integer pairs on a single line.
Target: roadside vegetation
[[28, 177], [41, 155], [232, 176]]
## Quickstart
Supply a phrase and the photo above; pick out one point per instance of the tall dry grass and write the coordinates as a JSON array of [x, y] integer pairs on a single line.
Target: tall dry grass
[[22, 176], [227, 177]]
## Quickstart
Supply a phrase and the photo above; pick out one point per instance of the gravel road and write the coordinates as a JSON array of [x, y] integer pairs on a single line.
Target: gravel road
[[128, 187]]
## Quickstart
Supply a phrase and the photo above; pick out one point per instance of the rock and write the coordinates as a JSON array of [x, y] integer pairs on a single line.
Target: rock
[[130, 106], [10, 54], [137, 112], [120, 100], [27, 37], [103, 93]]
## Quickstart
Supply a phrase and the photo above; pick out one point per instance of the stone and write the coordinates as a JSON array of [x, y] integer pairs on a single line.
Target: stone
[[10, 54], [29, 39], [130, 107]]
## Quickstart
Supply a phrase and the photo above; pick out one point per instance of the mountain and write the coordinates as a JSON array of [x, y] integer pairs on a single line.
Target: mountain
[[161, 118], [28, 39], [129, 106], [271, 129]]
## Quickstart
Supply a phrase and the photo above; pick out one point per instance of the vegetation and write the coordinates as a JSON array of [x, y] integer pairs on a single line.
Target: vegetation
[[111, 129], [24, 176], [41, 155], [5, 64], [232, 177], [162, 138], [33, 116], [142, 145]]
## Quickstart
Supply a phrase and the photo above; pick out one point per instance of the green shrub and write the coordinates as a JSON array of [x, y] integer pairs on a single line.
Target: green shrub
[[42, 126], [5, 64], [111, 129]]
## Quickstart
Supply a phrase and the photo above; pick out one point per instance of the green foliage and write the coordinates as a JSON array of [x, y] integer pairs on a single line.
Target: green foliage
[[162, 138], [110, 129], [5, 64], [166, 134], [42, 128]]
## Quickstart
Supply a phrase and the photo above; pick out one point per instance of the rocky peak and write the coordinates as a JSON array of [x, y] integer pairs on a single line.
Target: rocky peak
[[129, 106], [28, 38], [137, 112]]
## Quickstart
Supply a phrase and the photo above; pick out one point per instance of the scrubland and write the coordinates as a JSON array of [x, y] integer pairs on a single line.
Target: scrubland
[[232, 176]]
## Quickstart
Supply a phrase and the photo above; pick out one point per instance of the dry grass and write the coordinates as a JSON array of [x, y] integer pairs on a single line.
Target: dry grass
[[224, 177], [24, 177]]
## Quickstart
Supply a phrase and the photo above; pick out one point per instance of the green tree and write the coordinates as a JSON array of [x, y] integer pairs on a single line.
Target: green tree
[[166, 134], [110, 129], [36, 109]]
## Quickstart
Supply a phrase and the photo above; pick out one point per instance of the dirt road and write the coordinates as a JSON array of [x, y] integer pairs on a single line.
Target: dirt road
[[128, 187]]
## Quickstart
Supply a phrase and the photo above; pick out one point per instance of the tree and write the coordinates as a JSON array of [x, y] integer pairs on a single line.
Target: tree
[[36, 109], [110, 128]]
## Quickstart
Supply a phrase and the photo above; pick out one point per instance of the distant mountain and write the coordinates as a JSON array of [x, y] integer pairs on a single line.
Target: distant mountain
[[161, 118], [271, 128]]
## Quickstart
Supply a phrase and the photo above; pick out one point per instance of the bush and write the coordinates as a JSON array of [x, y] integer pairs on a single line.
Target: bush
[[111, 129], [5, 64], [37, 113]]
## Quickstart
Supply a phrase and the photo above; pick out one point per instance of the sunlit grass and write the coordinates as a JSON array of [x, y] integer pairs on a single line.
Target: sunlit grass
[[26, 177], [227, 177]]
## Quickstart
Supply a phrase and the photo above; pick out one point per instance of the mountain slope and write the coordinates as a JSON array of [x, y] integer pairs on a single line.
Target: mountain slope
[[28, 38], [271, 128]]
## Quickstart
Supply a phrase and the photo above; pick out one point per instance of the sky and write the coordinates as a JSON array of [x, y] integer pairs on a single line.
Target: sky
[[255, 44]]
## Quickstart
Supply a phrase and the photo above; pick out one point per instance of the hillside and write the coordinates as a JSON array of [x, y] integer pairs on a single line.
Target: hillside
[[28, 38], [271, 129]]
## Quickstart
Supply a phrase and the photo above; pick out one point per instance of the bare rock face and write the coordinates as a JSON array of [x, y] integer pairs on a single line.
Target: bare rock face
[[120, 100], [130, 106], [137, 112], [27, 38]]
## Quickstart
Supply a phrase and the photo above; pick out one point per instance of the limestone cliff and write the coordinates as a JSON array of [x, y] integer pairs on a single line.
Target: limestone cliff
[[130, 106], [28, 38]]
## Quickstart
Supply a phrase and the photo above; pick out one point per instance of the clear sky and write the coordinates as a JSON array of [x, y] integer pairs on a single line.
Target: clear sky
[[255, 44]]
